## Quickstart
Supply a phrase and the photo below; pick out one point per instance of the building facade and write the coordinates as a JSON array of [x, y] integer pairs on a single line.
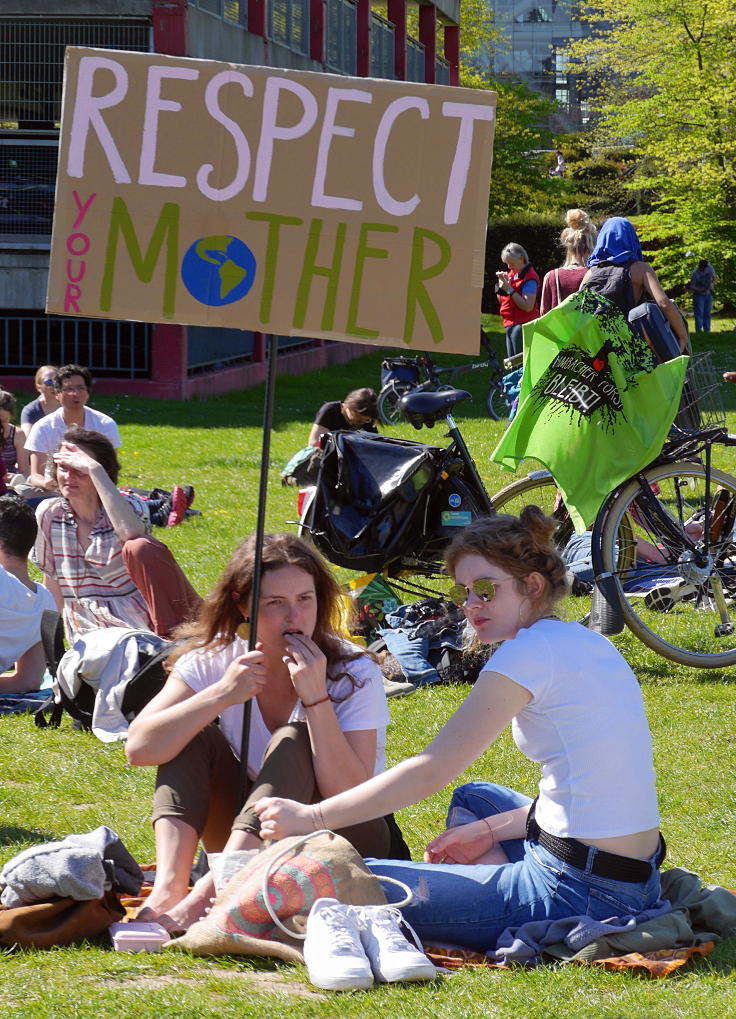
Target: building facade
[[536, 34], [338, 36]]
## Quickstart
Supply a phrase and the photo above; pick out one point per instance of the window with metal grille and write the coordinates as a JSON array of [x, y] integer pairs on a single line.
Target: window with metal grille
[[108, 348], [441, 71], [414, 60], [235, 11], [32, 62], [382, 47], [27, 181], [288, 23], [342, 40]]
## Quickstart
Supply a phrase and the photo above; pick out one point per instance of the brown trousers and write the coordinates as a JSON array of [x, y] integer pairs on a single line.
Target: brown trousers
[[170, 597], [200, 787]]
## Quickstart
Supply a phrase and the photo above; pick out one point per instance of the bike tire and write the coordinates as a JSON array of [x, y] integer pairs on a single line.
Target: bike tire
[[497, 404], [673, 606], [388, 400], [537, 489]]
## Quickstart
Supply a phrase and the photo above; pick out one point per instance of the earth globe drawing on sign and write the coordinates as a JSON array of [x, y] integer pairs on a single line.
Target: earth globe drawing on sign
[[218, 270]]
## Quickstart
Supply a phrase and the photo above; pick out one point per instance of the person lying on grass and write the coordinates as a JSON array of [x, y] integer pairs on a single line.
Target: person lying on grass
[[589, 844], [317, 727]]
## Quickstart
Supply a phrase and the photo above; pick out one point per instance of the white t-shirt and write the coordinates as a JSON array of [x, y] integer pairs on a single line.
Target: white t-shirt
[[586, 725], [364, 706], [20, 617], [47, 433]]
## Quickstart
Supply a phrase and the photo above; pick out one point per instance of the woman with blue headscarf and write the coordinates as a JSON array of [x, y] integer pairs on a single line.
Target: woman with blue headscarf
[[617, 270]]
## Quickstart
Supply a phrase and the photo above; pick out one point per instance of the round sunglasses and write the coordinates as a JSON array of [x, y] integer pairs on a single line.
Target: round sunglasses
[[482, 588]]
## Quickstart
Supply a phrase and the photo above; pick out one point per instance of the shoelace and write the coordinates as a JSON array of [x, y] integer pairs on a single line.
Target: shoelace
[[344, 938], [390, 920]]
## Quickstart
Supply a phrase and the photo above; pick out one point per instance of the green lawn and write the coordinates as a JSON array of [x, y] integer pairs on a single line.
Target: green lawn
[[63, 781]]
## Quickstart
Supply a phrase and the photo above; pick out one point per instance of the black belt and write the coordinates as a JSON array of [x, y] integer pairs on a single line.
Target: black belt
[[610, 865]]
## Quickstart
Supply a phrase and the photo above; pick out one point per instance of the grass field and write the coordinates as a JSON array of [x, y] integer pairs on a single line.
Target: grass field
[[55, 782]]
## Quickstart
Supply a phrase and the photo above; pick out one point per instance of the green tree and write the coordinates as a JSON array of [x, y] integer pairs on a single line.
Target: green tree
[[662, 78]]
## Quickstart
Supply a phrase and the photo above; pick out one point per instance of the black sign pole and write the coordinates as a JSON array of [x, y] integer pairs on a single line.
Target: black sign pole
[[260, 520]]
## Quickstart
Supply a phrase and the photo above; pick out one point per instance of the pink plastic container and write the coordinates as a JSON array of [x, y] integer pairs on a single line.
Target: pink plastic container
[[136, 936]]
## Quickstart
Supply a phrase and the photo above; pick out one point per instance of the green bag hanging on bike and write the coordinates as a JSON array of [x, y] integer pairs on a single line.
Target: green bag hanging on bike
[[595, 407]]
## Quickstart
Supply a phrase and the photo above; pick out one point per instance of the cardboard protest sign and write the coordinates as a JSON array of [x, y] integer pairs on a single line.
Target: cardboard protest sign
[[261, 198]]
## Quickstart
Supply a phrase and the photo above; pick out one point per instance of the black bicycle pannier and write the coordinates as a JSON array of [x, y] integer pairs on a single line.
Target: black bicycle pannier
[[368, 506]]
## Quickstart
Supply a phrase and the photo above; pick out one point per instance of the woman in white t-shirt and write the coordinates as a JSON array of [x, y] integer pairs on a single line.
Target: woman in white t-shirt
[[590, 842], [318, 718]]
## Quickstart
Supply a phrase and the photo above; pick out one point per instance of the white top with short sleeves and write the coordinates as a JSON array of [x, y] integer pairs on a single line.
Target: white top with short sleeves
[[586, 725]]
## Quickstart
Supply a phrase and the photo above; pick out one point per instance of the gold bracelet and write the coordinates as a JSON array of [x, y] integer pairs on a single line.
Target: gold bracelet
[[493, 834], [315, 703]]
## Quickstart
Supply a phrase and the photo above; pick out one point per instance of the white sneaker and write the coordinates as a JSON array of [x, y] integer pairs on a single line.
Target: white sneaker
[[392, 957], [333, 950]]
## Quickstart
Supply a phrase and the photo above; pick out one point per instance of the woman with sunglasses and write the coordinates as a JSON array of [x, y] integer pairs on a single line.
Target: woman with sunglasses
[[47, 401], [589, 844]]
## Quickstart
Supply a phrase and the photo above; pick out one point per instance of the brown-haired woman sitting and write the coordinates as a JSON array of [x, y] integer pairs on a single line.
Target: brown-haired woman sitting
[[317, 726], [93, 545]]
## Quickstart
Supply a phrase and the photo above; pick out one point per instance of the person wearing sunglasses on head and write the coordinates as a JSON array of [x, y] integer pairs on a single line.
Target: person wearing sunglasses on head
[[589, 844], [46, 402], [72, 385]]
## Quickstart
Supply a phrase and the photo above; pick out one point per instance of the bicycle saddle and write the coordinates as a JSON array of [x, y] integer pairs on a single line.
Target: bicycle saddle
[[427, 408]]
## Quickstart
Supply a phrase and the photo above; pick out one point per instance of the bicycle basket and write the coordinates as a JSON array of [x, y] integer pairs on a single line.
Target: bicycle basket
[[701, 404], [399, 369]]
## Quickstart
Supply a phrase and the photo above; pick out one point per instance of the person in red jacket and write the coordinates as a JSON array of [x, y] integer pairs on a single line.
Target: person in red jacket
[[518, 295]]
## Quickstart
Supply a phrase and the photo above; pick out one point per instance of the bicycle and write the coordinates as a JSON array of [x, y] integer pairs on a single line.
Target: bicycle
[[403, 375], [662, 550], [663, 545]]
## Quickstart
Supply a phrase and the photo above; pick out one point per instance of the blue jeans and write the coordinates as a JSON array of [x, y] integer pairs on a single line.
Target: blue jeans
[[471, 905], [514, 340], [702, 304]]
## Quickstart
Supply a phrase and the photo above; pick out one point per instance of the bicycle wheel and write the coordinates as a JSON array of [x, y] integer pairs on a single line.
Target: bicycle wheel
[[537, 489], [388, 399], [497, 403], [680, 603]]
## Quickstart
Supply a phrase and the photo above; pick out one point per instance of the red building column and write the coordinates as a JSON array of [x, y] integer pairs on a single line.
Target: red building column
[[170, 27], [452, 52], [317, 30], [363, 32], [396, 14], [257, 17], [428, 38], [169, 359]]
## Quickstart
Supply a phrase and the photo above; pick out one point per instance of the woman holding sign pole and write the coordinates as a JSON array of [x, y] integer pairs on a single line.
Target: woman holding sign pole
[[317, 724]]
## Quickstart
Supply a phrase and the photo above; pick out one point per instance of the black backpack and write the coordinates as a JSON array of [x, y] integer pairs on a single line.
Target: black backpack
[[146, 682]]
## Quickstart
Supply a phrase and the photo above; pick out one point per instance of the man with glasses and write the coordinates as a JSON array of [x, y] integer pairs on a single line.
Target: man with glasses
[[72, 384]]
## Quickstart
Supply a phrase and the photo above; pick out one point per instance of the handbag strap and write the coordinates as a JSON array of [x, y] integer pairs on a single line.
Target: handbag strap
[[409, 895], [557, 284]]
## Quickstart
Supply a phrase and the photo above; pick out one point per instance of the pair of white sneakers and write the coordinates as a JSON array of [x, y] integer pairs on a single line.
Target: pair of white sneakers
[[349, 947]]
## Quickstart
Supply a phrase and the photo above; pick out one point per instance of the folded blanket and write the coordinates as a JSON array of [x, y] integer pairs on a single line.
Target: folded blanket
[[79, 867]]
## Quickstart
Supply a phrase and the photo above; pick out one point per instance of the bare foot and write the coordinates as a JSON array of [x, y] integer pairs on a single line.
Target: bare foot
[[194, 906], [729, 376], [161, 900]]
